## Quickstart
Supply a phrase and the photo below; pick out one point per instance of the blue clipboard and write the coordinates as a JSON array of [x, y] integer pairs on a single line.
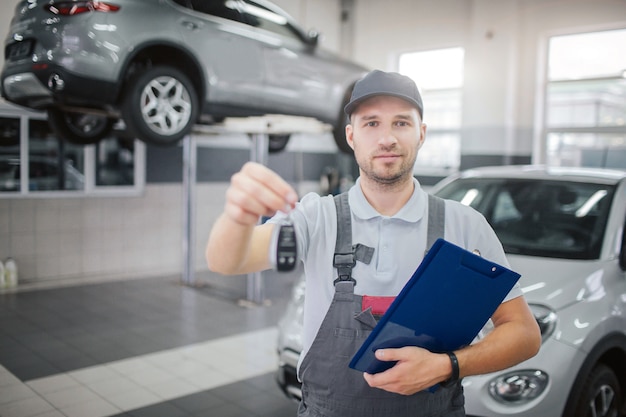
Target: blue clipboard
[[445, 304]]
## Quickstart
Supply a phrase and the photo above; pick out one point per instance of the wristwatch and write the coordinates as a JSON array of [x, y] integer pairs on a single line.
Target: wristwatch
[[454, 378]]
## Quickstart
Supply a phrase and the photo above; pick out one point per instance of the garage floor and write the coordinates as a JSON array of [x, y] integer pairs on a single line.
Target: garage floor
[[145, 347]]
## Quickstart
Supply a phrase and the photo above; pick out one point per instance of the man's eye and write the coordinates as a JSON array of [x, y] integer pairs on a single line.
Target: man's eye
[[402, 124], [372, 124]]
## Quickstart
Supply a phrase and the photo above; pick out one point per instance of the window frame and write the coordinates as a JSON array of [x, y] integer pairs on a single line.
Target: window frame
[[435, 130], [543, 132], [293, 32], [89, 152]]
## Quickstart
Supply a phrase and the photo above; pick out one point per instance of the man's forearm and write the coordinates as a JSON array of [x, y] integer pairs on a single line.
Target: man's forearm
[[510, 342], [500, 350], [229, 248]]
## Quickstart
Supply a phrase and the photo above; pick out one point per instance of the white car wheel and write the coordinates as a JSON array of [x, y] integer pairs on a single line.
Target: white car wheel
[[601, 395]]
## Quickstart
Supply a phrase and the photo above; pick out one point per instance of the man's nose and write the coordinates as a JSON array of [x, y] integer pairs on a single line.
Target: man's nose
[[387, 137]]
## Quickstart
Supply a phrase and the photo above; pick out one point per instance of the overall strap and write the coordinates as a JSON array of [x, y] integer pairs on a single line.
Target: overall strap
[[436, 220], [347, 254]]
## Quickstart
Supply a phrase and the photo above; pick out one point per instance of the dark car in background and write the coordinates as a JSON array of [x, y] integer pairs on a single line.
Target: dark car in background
[[162, 66], [43, 173], [564, 231]]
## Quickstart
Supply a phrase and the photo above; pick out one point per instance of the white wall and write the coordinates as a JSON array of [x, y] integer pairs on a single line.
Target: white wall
[[91, 239], [81, 237], [503, 40]]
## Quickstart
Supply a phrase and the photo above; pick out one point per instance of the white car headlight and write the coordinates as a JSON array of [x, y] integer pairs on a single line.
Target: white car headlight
[[546, 319], [545, 316], [518, 386]]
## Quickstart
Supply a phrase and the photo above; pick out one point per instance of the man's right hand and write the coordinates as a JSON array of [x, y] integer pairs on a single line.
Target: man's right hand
[[236, 245], [257, 191]]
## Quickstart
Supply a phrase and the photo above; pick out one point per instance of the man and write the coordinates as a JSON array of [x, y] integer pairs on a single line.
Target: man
[[389, 213]]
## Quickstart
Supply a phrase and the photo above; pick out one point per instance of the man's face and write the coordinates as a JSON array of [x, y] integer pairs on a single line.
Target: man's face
[[385, 133]]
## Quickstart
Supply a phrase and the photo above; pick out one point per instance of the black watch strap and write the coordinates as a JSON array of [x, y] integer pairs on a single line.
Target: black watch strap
[[455, 370]]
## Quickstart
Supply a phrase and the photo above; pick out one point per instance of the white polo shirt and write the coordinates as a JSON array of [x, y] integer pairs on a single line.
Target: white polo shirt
[[399, 243]]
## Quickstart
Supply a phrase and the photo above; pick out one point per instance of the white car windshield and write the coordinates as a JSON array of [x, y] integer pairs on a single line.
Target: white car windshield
[[557, 219]]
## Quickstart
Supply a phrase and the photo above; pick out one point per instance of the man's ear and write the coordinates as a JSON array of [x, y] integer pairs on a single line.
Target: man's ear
[[349, 135], [422, 135]]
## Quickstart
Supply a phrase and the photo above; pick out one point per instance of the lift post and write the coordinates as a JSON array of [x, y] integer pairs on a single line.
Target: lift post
[[258, 129]]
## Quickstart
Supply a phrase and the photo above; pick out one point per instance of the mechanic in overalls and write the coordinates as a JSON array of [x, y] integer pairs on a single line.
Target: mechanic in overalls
[[364, 245]]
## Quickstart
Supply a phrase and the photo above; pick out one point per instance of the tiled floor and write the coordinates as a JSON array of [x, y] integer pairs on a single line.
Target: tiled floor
[[147, 347]]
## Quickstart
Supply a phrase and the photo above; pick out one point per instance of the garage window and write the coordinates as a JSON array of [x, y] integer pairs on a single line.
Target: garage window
[[34, 162], [585, 118], [439, 76]]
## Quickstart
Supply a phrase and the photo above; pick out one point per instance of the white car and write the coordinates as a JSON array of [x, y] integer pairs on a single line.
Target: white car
[[564, 231]]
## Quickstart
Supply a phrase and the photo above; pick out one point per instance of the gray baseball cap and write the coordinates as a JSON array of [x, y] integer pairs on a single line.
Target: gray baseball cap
[[380, 83]]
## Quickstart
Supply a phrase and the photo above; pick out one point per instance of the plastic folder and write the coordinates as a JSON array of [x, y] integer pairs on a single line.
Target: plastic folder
[[444, 305]]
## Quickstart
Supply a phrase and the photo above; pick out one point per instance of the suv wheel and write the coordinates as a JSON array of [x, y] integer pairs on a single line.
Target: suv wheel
[[160, 106], [601, 395], [277, 143], [79, 128]]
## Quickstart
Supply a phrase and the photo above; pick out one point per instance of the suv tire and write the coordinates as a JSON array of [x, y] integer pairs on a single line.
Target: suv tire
[[79, 128], [277, 143], [160, 106]]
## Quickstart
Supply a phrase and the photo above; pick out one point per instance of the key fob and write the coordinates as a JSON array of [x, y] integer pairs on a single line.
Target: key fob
[[286, 249]]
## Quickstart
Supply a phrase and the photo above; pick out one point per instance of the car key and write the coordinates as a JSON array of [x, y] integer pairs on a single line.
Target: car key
[[286, 247]]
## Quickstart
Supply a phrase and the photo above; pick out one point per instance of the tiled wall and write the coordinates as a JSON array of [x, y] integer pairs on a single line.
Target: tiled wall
[[57, 240], [93, 238]]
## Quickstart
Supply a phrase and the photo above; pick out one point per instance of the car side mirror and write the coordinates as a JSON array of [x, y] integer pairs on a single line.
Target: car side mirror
[[622, 250], [313, 37]]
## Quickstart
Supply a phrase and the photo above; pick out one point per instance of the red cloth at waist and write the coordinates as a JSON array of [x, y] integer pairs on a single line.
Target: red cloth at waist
[[379, 305]]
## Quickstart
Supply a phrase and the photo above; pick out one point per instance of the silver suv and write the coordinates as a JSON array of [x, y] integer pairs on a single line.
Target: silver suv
[[564, 230], [163, 65]]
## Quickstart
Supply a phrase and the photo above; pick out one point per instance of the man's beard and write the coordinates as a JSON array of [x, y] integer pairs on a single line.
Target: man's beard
[[389, 176], [390, 179]]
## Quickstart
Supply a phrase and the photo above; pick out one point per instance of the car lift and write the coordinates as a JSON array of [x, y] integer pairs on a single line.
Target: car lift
[[258, 129]]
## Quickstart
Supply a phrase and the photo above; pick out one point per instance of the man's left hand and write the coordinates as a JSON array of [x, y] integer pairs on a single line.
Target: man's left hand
[[416, 369]]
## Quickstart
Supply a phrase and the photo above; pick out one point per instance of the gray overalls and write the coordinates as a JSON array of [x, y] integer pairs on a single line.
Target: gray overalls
[[330, 388]]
